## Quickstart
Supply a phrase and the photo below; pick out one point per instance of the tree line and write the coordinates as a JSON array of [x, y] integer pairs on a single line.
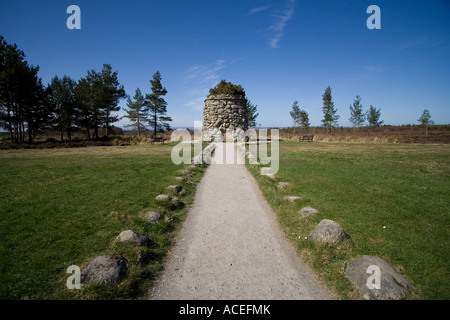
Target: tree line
[[28, 107], [357, 114]]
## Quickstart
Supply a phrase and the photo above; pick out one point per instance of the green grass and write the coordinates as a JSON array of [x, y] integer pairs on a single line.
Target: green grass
[[61, 207], [365, 187]]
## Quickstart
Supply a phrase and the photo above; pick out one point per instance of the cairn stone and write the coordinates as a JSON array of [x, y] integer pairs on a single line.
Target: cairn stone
[[222, 112]]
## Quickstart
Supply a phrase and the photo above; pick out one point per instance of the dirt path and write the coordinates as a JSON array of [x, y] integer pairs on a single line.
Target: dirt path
[[230, 246]]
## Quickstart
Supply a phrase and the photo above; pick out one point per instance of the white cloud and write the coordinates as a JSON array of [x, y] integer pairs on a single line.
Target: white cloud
[[199, 80], [258, 9], [278, 26]]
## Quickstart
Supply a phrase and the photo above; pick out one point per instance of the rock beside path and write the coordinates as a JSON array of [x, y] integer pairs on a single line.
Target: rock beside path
[[133, 238], [163, 199], [328, 232], [291, 198], [185, 172], [175, 188], [282, 185], [153, 217], [307, 211], [104, 270], [363, 273]]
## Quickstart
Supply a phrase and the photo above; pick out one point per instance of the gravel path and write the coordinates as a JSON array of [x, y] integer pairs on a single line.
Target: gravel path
[[230, 246]]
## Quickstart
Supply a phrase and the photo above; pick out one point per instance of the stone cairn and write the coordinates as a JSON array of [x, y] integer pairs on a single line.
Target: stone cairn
[[222, 112]]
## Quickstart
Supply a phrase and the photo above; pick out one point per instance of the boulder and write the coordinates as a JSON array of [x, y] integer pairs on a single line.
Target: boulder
[[153, 217], [362, 273], [291, 198], [183, 179], [327, 231], [175, 189], [163, 199], [104, 270], [133, 237], [282, 185], [185, 172], [307, 211]]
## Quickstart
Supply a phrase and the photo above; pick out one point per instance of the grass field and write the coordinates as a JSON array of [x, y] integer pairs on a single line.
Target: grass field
[[61, 207], [392, 199]]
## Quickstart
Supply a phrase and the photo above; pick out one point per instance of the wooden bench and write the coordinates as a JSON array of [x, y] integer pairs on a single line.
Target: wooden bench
[[307, 138], [157, 139]]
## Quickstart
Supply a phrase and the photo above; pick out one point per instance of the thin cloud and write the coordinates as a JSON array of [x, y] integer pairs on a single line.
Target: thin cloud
[[278, 26], [258, 9], [200, 79]]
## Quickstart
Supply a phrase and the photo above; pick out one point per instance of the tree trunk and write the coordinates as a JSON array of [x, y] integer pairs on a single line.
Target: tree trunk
[[30, 135], [107, 124], [88, 131], [155, 125], [95, 135], [139, 127], [10, 125]]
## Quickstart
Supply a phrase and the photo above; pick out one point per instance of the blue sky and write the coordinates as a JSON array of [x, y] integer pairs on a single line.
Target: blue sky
[[279, 51]]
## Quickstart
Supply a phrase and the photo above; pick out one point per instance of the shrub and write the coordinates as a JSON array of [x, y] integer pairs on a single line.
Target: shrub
[[224, 87]]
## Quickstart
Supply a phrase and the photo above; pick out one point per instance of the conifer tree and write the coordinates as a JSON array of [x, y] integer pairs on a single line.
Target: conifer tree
[[304, 120], [330, 117], [64, 107], [137, 111], [373, 117], [157, 106], [295, 113], [357, 116], [425, 120], [252, 114]]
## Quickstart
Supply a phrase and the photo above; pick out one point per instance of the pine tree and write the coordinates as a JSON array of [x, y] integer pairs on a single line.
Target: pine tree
[[425, 120], [87, 94], [357, 116], [330, 117], [304, 120], [64, 107], [99, 94], [35, 107], [157, 106], [137, 111], [252, 114], [84, 95], [23, 99], [110, 93], [373, 117], [295, 113]]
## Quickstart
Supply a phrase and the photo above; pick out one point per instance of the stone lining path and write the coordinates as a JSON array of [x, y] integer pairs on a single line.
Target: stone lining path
[[230, 246]]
